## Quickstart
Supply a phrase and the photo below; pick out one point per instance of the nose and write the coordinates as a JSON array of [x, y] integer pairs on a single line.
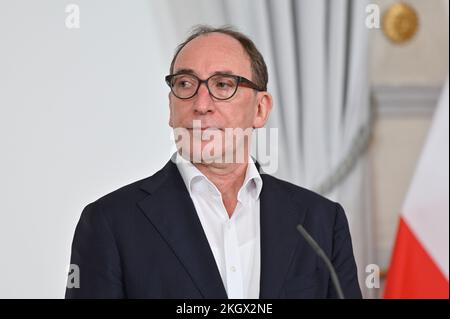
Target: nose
[[203, 102]]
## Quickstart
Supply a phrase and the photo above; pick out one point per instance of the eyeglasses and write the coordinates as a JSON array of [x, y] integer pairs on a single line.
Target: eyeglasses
[[220, 86]]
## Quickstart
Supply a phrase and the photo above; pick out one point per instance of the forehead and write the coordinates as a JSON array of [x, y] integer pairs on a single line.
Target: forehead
[[214, 52]]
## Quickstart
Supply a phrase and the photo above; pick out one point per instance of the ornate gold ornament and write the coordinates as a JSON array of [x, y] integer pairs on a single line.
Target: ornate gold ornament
[[400, 22]]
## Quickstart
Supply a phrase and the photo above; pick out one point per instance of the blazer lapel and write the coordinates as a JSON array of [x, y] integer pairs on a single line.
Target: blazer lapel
[[279, 236], [171, 210]]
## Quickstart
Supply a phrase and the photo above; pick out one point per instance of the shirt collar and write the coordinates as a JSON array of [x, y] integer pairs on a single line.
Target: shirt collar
[[192, 177]]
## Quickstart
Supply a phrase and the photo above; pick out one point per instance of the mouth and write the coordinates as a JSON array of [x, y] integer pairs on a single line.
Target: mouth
[[205, 129]]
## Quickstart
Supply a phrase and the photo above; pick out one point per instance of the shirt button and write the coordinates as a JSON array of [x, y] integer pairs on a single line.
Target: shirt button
[[233, 269]]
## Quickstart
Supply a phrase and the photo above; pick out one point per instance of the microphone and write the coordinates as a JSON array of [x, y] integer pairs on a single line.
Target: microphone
[[319, 251]]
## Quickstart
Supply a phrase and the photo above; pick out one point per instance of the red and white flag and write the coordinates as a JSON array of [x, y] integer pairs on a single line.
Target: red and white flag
[[419, 265]]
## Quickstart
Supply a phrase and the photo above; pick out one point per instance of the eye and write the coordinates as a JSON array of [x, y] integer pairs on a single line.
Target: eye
[[224, 83], [184, 83]]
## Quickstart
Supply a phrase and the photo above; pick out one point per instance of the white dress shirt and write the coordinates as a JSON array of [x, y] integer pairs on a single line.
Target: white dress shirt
[[235, 241]]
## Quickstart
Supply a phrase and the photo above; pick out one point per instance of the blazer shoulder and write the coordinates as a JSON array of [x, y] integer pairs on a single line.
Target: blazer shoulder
[[127, 196], [301, 195]]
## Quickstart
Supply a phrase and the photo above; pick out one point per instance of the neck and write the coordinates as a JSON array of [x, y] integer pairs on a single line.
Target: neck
[[224, 176], [228, 178]]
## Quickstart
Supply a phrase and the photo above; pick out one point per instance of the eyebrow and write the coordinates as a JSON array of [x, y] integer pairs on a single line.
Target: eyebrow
[[190, 71]]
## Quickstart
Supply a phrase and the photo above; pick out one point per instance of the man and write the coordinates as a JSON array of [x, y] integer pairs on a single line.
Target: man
[[205, 227]]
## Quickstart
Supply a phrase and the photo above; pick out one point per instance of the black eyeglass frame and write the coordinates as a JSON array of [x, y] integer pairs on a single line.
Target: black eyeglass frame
[[240, 81]]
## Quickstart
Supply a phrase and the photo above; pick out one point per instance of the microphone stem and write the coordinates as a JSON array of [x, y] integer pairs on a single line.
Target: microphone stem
[[315, 246]]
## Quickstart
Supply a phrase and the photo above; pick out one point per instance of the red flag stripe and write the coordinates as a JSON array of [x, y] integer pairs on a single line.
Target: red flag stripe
[[412, 273]]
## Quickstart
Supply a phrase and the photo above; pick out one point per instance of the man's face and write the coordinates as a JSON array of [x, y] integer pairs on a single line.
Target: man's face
[[204, 56]]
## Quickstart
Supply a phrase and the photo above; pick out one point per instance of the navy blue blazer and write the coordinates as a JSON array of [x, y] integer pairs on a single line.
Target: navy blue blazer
[[145, 240]]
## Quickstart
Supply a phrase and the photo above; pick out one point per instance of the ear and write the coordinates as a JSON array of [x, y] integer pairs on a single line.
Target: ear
[[263, 108], [170, 110]]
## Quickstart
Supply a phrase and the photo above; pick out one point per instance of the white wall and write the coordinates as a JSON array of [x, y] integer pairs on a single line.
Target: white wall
[[82, 112]]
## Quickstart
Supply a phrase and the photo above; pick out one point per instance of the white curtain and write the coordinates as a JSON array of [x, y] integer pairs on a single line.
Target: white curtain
[[317, 55]]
